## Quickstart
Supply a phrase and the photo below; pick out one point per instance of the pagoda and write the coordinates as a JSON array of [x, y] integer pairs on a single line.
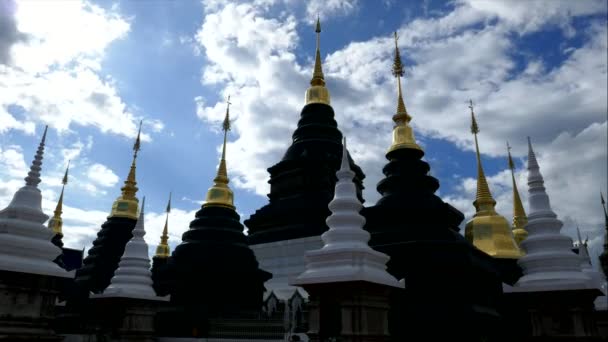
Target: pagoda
[[102, 259], [519, 214], [448, 283], [549, 263], [488, 230], [56, 222], [301, 186], [163, 252], [29, 279], [213, 272]]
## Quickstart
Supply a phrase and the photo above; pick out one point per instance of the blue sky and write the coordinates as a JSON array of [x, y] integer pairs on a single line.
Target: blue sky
[[93, 69]]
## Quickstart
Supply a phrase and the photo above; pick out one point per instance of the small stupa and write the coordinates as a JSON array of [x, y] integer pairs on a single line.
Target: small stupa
[[163, 252], [346, 255], [487, 230], [549, 263], [133, 278], [519, 214]]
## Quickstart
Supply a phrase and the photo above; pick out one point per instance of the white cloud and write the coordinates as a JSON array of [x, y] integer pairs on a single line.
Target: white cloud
[[529, 16], [55, 75], [470, 52], [327, 8], [102, 175]]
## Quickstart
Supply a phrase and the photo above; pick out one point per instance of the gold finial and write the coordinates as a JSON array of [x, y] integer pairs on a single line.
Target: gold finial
[[483, 199], [519, 214], [56, 222], [317, 93], [403, 134], [488, 230], [220, 194], [162, 250], [605, 212], [127, 204]]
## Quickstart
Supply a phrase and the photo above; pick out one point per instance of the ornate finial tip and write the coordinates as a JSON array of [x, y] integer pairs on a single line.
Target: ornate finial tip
[[64, 181], [46, 128], [143, 204], [169, 204], [318, 26], [137, 145], [226, 123]]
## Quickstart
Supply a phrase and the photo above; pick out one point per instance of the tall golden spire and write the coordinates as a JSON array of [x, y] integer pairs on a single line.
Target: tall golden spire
[[127, 204], [483, 198], [519, 214], [56, 222], [488, 230], [317, 93], [220, 194], [163, 251], [403, 135]]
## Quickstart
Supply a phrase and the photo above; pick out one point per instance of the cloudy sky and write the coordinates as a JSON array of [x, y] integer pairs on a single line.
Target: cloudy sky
[[92, 69]]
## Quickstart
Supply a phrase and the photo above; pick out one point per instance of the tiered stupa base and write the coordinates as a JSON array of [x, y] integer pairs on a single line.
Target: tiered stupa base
[[27, 305]]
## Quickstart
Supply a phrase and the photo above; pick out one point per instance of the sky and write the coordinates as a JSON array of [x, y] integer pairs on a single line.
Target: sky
[[91, 70]]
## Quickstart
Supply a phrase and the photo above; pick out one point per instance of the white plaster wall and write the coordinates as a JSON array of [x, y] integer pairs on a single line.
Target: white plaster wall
[[285, 260]]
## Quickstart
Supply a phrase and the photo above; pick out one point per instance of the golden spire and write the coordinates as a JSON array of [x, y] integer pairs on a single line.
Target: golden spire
[[488, 230], [483, 198], [317, 93], [56, 223], [519, 214], [163, 251], [403, 135], [127, 204], [220, 194]]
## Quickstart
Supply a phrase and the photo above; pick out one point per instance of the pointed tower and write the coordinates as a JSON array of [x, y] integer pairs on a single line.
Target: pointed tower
[[420, 234], [133, 279], [301, 186], [102, 259], [29, 279], [583, 251], [25, 243], [549, 262], [345, 255], [161, 257], [346, 279], [213, 272], [604, 256], [519, 214], [488, 230], [56, 223]]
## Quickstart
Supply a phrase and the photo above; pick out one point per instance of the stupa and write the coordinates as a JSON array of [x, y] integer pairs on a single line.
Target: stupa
[[420, 234], [549, 262], [488, 230], [133, 278], [163, 252], [102, 259], [301, 187], [347, 280], [519, 214], [29, 279], [25, 243], [213, 272]]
